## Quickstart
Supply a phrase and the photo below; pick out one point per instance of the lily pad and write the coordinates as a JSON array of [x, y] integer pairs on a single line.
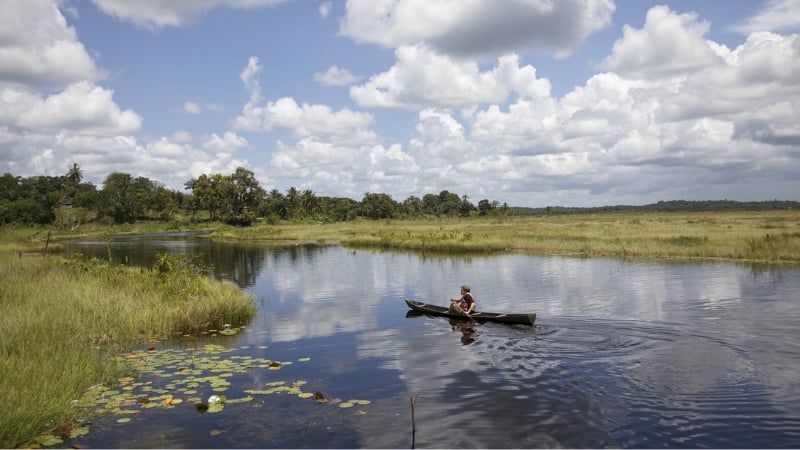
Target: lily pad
[[215, 408], [48, 440], [78, 431]]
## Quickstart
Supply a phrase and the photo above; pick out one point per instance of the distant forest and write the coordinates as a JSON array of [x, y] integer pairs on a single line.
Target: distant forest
[[238, 199], [667, 206]]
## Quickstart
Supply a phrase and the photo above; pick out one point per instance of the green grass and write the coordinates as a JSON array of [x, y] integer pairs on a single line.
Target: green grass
[[772, 236], [62, 320], [766, 236]]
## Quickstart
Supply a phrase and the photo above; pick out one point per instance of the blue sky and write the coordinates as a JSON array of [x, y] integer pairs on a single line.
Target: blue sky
[[530, 102]]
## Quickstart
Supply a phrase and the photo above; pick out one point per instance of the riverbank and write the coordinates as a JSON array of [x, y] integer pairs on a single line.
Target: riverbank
[[764, 236], [63, 319], [752, 236]]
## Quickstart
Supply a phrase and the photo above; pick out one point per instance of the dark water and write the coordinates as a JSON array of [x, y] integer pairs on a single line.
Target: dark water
[[623, 354]]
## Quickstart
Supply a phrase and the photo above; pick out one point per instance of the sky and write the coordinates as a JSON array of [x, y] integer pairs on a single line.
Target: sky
[[528, 102]]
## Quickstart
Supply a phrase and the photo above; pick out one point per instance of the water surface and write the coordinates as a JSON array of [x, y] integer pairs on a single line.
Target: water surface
[[623, 354]]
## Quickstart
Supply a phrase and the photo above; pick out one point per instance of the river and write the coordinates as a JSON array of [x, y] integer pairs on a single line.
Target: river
[[623, 354]]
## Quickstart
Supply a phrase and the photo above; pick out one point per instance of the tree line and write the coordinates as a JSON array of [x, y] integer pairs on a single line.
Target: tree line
[[236, 199], [667, 206]]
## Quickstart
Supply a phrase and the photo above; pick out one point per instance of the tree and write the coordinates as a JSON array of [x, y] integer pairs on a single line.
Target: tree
[[75, 174], [118, 199], [293, 201], [412, 206], [343, 209], [466, 206], [431, 204], [309, 203], [378, 206], [275, 205], [450, 203], [206, 194], [10, 187], [484, 207], [240, 195]]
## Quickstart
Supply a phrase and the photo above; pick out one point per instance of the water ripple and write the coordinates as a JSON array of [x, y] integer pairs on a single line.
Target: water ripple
[[579, 382]]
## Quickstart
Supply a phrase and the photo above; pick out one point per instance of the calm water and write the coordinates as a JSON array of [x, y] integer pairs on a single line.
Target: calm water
[[623, 354]]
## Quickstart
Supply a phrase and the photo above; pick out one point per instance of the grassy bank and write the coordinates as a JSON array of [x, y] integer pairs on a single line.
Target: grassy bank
[[772, 236], [767, 236], [62, 319]]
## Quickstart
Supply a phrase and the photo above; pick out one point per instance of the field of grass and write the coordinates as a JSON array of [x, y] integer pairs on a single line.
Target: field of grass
[[768, 236], [62, 320], [772, 236]]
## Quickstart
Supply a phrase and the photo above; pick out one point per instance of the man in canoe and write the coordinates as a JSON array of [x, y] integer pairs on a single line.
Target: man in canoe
[[464, 305]]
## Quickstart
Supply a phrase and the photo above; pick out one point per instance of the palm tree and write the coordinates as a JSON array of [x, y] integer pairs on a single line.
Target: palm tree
[[75, 174], [293, 198], [309, 202], [72, 180]]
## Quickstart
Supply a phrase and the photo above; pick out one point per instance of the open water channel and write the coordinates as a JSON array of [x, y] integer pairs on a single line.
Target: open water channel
[[623, 354]]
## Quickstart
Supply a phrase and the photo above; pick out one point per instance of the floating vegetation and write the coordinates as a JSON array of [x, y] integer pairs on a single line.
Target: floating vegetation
[[168, 378]]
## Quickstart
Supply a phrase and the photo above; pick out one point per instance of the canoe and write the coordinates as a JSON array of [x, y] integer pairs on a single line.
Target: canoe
[[524, 319]]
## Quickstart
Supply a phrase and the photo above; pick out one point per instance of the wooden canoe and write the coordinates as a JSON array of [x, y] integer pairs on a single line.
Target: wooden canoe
[[524, 319]]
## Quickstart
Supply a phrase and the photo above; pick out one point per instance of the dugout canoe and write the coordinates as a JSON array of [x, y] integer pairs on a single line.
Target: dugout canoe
[[524, 319]]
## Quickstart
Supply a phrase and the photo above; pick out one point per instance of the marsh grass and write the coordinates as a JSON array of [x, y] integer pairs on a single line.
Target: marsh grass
[[62, 319], [769, 236]]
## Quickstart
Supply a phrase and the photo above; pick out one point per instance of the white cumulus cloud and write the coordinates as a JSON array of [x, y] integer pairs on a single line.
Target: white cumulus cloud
[[334, 76], [161, 13], [669, 44], [778, 15], [81, 108], [477, 27], [300, 120], [422, 77], [38, 47]]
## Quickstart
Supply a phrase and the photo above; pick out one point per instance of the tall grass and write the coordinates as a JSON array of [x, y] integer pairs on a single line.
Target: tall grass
[[767, 236], [771, 236], [62, 319]]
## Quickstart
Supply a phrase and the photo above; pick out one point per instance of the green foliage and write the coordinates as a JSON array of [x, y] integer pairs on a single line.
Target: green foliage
[[378, 206], [238, 199], [234, 199], [178, 274]]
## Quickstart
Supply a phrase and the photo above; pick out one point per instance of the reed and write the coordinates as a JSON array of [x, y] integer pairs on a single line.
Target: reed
[[62, 319]]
